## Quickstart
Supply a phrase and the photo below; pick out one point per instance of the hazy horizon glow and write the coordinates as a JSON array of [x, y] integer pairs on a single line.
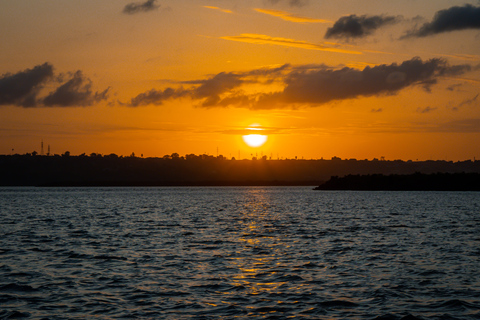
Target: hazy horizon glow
[[357, 80]]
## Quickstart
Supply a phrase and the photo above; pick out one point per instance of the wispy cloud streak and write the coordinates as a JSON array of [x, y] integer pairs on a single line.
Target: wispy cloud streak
[[219, 9], [291, 17], [264, 39]]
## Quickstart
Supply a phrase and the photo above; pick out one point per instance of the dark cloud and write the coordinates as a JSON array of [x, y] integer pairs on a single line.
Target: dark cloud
[[354, 26], [306, 85], [292, 3], [22, 88], [452, 19], [157, 97], [210, 90], [75, 92], [136, 7], [426, 110], [467, 102], [323, 86]]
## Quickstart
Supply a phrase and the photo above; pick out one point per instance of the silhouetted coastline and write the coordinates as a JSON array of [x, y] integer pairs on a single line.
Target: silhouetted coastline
[[200, 170], [412, 182]]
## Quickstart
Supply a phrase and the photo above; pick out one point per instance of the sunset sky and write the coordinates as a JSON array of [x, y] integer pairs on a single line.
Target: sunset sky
[[347, 78]]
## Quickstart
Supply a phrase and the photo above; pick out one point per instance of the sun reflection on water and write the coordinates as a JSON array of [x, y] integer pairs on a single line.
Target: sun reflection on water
[[257, 258]]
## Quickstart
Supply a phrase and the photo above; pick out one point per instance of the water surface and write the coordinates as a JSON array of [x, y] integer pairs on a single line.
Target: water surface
[[246, 252]]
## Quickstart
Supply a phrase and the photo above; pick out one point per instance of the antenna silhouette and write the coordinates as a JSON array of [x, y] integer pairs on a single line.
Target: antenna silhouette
[[41, 149]]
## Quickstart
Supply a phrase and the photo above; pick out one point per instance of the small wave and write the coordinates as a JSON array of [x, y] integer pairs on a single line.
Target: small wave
[[14, 287], [273, 310], [288, 278], [389, 316], [108, 257], [76, 255], [338, 304], [310, 265], [3, 251], [455, 304], [172, 293], [13, 314]]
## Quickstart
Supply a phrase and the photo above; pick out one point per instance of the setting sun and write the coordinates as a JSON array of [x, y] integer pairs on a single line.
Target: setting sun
[[254, 140]]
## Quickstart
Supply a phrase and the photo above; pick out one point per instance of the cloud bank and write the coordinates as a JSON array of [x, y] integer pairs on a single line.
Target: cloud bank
[[309, 85], [354, 26], [23, 89], [137, 7], [452, 19]]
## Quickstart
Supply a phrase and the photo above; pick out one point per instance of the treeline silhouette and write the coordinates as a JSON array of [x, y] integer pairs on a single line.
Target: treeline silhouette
[[413, 182], [112, 170]]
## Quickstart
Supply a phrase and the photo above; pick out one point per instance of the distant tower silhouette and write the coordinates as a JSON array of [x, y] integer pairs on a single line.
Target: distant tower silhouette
[[41, 149], [48, 152]]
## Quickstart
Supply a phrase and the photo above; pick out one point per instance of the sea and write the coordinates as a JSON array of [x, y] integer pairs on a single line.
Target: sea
[[238, 253]]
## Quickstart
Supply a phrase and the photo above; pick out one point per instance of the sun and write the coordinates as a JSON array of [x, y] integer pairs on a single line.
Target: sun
[[255, 140]]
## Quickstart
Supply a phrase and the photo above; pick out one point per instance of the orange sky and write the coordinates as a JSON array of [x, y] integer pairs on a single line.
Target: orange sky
[[349, 78]]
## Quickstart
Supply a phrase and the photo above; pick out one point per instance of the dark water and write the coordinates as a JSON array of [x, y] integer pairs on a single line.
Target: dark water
[[226, 253]]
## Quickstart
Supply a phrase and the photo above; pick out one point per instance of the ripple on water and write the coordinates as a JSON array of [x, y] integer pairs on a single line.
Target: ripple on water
[[260, 253]]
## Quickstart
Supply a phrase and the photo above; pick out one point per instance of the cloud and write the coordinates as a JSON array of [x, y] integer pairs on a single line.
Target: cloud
[[264, 39], [290, 17], [212, 88], [467, 102], [75, 92], [209, 90], [459, 126], [137, 7], [452, 19], [354, 26], [292, 3], [323, 86], [23, 87], [157, 97], [308, 85], [426, 109], [260, 130], [219, 9]]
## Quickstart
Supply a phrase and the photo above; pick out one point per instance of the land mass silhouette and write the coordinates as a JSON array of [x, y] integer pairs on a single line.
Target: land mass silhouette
[[412, 182], [200, 170]]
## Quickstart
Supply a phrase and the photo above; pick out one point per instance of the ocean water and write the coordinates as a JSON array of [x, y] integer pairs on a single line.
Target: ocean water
[[238, 253]]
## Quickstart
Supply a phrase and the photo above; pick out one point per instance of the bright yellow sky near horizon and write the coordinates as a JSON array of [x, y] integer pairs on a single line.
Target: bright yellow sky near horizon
[[189, 76]]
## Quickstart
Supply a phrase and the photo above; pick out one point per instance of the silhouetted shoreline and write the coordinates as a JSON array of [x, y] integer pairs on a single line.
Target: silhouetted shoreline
[[412, 182], [180, 184], [202, 170]]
